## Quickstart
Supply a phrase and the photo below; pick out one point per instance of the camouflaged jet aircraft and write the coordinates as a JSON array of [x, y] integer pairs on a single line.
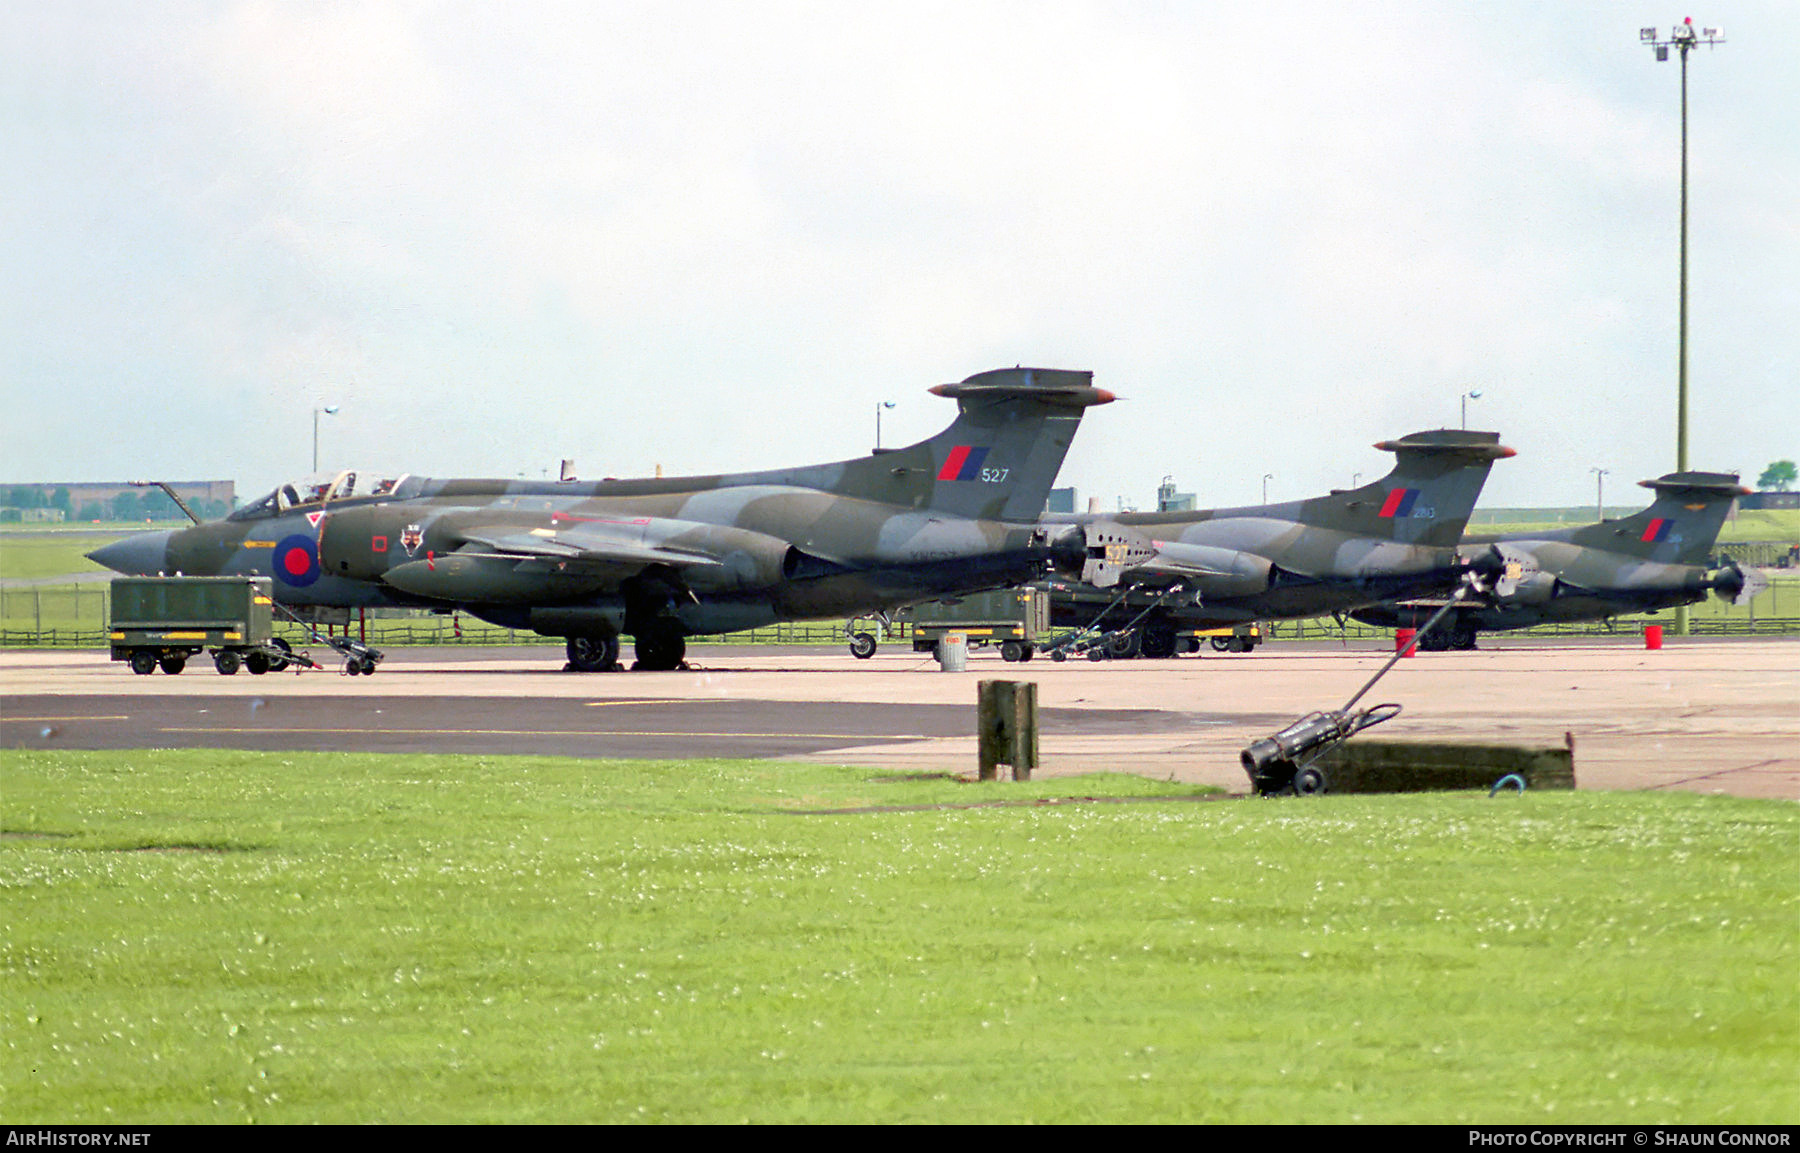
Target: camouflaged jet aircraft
[[1220, 567], [665, 558], [1652, 560]]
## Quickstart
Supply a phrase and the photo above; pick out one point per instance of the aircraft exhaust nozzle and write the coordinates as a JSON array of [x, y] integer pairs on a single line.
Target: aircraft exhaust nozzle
[[1737, 584], [1495, 572]]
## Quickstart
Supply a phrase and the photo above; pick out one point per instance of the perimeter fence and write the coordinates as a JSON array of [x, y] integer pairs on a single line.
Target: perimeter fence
[[75, 616]]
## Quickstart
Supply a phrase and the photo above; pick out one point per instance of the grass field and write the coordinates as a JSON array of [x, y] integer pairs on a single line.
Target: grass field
[[36, 555], [227, 936], [1771, 524]]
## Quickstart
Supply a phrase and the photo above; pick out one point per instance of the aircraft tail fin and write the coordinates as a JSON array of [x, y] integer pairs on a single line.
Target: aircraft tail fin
[[1426, 499], [1000, 456], [1681, 525]]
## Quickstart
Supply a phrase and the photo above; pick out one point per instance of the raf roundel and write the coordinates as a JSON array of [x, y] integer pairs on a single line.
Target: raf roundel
[[296, 561]]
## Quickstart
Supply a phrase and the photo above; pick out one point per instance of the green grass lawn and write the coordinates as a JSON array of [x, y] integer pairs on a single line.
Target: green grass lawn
[[229, 936], [1765, 524], [36, 555]]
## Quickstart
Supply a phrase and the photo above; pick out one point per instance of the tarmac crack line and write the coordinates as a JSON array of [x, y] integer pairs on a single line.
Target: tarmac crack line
[[260, 730], [1718, 773]]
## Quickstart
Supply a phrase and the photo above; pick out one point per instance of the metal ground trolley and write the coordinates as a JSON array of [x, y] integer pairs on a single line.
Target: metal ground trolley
[[1017, 620], [162, 621]]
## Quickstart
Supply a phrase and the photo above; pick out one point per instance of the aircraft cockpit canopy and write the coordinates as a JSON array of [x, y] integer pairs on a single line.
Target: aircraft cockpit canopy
[[320, 489]]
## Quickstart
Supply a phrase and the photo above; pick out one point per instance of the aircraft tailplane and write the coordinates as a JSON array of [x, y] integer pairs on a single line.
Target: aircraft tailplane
[[1000, 456], [1426, 499], [1681, 526]]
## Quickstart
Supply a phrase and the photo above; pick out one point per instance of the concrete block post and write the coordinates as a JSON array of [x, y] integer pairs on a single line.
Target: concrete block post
[[1007, 727]]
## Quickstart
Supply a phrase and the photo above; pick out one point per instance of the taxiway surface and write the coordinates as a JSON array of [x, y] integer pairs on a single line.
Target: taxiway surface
[[1709, 716]]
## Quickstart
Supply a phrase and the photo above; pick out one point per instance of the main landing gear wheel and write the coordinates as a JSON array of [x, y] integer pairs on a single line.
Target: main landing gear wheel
[[659, 649], [143, 663], [862, 646], [173, 663], [1158, 640], [594, 654]]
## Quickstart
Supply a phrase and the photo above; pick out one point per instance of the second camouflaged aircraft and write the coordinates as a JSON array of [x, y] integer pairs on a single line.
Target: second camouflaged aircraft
[[665, 558], [1219, 567]]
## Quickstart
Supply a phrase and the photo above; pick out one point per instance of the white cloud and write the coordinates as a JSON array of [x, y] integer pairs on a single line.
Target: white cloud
[[621, 231]]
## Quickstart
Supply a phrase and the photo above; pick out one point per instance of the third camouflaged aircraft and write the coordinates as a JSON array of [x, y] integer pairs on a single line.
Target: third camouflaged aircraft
[[1655, 559], [1217, 567]]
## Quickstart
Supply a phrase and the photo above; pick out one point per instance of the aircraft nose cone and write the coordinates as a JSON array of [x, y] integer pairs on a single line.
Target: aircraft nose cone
[[142, 554]]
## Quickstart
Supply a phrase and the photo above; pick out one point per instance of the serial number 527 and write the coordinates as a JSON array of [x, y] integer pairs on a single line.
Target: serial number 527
[[993, 475]]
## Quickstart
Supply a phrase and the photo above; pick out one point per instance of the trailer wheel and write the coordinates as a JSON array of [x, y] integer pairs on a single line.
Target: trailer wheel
[[226, 662], [173, 663], [143, 662], [257, 663], [862, 646], [1012, 651], [1058, 655], [1309, 782], [1222, 644]]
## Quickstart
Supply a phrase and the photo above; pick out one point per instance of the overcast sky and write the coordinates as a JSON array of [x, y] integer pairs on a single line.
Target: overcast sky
[[714, 237]]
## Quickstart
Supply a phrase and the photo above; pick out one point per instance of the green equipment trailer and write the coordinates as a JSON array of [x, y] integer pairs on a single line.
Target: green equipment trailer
[[1017, 620], [160, 622]]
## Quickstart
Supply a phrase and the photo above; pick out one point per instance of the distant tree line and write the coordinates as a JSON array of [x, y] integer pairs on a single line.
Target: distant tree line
[[141, 504]]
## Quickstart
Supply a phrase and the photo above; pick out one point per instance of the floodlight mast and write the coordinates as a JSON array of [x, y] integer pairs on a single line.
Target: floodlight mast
[[1684, 38]]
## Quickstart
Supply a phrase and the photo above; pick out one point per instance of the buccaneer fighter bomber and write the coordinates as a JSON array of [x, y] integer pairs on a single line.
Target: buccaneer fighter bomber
[[1221, 567], [1653, 560], [662, 559]]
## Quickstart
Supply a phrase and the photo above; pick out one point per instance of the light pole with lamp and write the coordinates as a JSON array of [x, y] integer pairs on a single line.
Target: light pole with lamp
[[328, 410], [1267, 477], [1685, 39], [878, 408], [1599, 492], [1472, 394]]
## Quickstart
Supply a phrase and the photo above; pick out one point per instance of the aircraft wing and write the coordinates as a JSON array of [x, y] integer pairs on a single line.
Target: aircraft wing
[[582, 546]]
